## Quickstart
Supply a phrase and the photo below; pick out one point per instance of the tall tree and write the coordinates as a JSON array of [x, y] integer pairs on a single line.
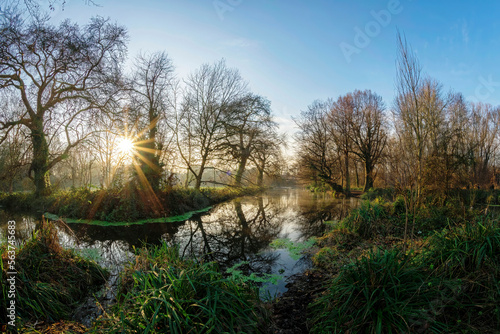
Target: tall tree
[[318, 153], [151, 85], [483, 141], [340, 119], [267, 156], [367, 131], [210, 93], [247, 122], [53, 67], [408, 112]]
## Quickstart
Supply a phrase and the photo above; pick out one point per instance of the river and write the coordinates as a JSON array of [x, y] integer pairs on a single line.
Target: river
[[239, 230]]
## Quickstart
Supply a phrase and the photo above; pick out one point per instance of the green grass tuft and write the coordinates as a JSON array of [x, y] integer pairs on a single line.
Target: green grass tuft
[[51, 281], [162, 293]]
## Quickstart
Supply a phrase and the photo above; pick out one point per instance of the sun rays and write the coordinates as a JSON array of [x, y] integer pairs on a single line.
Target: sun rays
[[129, 150]]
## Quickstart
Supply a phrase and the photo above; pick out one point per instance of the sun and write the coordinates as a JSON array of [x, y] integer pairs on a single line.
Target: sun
[[125, 146]]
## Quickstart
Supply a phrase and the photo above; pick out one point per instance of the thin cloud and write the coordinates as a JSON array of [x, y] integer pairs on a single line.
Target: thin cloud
[[465, 32], [241, 43]]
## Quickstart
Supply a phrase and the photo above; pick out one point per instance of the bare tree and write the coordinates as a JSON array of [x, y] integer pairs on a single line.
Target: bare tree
[[247, 123], [210, 94], [367, 131], [267, 156], [317, 151], [483, 141], [340, 121], [151, 85], [408, 111], [59, 72]]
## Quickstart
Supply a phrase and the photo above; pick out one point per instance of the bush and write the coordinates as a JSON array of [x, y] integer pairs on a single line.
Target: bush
[[385, 193], [398, 207], [127, 204], [467, 248], [469, 254]]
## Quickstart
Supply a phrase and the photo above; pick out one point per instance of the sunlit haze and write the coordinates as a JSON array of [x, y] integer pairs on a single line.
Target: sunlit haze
[[294, 52], [125, 146]]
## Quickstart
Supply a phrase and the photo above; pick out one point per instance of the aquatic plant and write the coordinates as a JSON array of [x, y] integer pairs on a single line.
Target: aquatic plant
[[295, 249]]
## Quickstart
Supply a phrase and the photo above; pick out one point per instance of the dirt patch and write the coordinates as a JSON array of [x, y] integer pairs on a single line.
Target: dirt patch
[[289, 311]]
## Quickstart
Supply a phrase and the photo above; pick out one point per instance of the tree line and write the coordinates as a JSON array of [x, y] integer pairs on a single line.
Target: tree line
[[428, 140], [66, 100]]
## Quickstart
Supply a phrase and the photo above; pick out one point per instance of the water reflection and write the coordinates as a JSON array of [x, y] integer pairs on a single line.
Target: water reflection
[[240, 230]]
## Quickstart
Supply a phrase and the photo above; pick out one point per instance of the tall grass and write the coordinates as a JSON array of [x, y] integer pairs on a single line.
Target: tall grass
[[467, 248], [450, 283], [162, 293], [51, 281], [469, 254], [368, 220], [381, 293]]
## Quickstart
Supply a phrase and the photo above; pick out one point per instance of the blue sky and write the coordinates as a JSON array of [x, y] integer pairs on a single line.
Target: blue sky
[[292, 51]]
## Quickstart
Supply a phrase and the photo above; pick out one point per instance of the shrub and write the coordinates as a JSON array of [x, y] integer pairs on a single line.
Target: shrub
[[398, 207], [128, 204], [469, 254], [467, 248], [385, 193]]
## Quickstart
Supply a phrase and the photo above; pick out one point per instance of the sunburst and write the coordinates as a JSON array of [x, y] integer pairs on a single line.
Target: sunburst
[[128, 149]]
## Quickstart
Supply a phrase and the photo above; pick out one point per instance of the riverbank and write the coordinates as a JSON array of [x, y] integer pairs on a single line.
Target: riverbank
[[50, 282], [159, 292], [164, 293], [122, 205], [453, 247], [445, 277]]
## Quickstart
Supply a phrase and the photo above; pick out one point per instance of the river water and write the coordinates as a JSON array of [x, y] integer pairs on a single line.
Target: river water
[[239, 230]]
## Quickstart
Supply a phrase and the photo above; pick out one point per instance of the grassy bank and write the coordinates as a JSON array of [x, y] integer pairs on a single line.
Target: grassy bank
[[121, 205], [163, 293], [50, 281], [158, 293], [445, 279]]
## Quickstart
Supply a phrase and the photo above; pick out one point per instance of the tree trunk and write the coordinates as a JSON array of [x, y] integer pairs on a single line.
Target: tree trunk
[[152, 170], [357, 174], [40, 162], [368, 176], [260, 177], [197, 185], [241, 170], [347, 177], [73, 173], [199, 176]]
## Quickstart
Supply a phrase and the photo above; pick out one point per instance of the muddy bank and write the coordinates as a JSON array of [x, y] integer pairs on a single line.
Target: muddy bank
[[289, 311]]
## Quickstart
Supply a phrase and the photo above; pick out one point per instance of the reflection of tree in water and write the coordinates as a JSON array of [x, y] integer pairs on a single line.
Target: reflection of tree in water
[[232, 232], [235, 232], [24, 228], [316, 212], [133, 235]]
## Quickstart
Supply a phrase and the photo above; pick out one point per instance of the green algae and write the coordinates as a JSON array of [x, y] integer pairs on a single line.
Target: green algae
[[172, 219]]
